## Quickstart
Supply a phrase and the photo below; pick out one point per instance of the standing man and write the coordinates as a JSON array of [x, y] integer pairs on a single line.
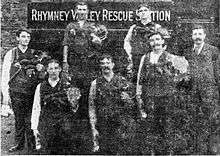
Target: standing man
[[18, 82], [76, 54], [155, 95], [204, 66], [53, 113], [136, 38], [110, 110]]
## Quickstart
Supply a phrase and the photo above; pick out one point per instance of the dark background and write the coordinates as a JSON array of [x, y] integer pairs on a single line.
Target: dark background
[[48, 36]]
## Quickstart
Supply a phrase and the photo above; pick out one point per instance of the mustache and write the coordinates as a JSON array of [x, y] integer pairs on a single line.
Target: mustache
[[105, 68], [155, 45], [81, 15], [198, 39]]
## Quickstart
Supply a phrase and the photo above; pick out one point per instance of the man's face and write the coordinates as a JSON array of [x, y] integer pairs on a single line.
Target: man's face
[[82, 12], [24, 38], [144, 13], [156, 42], [198, 36], [106, 65], [53, 70]]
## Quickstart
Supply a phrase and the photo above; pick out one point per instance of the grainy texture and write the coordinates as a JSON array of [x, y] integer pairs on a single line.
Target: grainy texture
[[14, 15]]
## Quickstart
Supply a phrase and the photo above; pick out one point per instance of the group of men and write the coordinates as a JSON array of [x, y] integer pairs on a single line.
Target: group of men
[[126, 117]]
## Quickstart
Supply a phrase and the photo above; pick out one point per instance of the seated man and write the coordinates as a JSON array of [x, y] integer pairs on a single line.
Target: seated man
[[53, 110]]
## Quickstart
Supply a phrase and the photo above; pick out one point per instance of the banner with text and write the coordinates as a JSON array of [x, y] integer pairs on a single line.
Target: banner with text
[[115, 15]]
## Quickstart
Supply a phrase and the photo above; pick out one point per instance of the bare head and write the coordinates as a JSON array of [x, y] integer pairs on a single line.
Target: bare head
[[198, 34], [23, 36]]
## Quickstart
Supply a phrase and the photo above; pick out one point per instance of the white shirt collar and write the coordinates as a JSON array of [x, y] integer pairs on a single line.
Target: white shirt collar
[[53, 83], [23, 50], [81, 23], [200, 48], [154, 57], [109, 78]]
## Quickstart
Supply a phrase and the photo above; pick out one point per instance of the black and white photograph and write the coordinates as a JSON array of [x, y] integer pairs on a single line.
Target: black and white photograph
[[110, 77]]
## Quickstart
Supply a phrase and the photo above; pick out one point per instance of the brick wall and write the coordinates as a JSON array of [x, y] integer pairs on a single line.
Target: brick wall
[[14, 15]]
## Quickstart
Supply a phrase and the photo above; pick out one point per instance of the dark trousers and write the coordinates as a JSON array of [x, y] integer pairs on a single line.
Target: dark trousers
[[61, 133], [83, 71], [205, 98], [154, 130], [22, 107], [109, 140]]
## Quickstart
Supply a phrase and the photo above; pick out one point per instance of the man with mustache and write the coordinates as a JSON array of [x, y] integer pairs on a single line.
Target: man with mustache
[[53, 114], [110, 110], [136, 38], [19, 79], [155, 95], [204, 67]]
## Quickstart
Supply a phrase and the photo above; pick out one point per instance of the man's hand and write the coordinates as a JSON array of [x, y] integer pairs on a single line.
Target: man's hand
[[95, 146], [143, 114], [95, 133], [37, 139], [95, 139], [96, 39], [17, 64], [128, 49], [36, 133], [73, 31], [65, 67], [125, 97], [40, 67], [6, 110], [139, 91], [140, 103]]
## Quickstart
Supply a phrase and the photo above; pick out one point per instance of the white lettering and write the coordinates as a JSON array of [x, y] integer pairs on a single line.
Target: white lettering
[[92, 16], [39, 14], [34, 15], [97, 15], [167, 15], [130, 15], [120, 15], [67, 14], [50, 15], [104, 14], [62, 14], [73, 14], [161, 15], [44, 15]]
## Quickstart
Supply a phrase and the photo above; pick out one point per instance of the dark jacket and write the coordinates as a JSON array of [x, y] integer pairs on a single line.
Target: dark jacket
[[205, 67]]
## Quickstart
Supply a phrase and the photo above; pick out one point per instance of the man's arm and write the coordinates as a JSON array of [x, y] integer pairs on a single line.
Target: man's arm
[[139, 87], [6, 77], [66, 41], [92, 114], [127, 40], [65, 53], [216, 66], [36, 109], [139, 77]]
